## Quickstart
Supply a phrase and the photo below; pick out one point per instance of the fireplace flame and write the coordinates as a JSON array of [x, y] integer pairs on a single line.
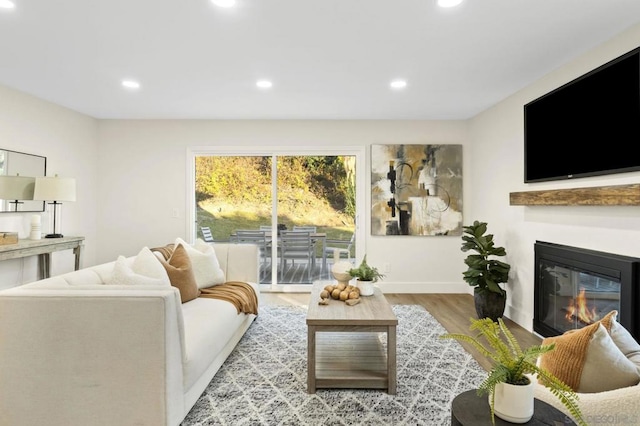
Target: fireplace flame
[[579, 310]]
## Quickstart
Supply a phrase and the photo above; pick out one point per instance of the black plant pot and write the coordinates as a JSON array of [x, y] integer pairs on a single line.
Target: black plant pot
[[489, 304]]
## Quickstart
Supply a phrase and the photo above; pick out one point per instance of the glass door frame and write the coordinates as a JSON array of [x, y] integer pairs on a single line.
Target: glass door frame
[[255, 151]]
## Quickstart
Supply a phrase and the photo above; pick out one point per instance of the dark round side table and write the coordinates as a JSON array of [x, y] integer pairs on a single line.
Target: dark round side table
[[469, 409]]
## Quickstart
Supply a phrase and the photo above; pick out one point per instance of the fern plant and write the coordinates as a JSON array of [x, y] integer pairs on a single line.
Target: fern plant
[[365, 272], [512, 364]]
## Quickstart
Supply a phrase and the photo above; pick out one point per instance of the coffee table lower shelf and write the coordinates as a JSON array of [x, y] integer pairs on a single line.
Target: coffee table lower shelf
[[351, 360]]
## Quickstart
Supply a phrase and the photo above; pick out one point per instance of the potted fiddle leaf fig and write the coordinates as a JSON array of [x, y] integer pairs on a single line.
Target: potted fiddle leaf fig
[[510, 383], [485, 272], [365, 275]]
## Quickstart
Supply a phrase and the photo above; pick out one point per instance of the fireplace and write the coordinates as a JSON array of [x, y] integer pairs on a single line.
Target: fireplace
[[574, 287]]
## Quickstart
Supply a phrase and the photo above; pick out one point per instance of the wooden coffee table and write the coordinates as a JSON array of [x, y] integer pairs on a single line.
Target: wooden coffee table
[[343, 345]]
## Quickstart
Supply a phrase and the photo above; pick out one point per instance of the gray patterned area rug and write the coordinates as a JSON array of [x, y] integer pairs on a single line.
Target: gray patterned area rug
[[264, 380]]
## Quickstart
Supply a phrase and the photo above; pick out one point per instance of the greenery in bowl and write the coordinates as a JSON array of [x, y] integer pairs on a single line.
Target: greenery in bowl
[[365, 272], [512, 364]]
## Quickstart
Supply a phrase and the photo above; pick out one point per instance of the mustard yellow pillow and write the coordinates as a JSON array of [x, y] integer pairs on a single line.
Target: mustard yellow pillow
[[181, 275], [588, 360]]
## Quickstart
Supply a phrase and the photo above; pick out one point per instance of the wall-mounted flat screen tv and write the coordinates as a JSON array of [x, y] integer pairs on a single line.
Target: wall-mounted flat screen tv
[[587, 127]]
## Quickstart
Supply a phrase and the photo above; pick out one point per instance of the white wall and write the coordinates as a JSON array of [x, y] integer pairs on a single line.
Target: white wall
[[142, 166], [497, 152], [68, 140], [132, 174]]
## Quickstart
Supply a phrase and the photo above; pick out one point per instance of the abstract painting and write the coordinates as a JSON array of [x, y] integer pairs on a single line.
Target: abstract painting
[[416, 190]]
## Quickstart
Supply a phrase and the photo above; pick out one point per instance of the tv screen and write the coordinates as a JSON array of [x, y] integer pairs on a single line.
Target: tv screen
[[587, 127]]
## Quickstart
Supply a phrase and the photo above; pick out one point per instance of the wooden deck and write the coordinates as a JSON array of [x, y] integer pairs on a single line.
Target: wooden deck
[[298, 273]]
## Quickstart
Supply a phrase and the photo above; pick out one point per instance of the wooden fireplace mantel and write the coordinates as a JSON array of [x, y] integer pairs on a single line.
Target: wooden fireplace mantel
[[618, 195]]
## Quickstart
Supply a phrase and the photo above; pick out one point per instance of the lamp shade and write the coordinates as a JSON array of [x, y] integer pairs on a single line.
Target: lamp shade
[[16, 187], [55, 189]]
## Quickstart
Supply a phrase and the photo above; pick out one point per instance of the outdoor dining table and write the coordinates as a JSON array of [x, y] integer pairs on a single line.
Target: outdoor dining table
[[315, 237]]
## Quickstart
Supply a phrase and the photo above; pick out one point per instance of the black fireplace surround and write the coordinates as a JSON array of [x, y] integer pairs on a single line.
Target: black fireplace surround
[[574, 287]]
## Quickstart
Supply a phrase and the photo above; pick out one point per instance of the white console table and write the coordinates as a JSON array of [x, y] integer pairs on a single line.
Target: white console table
[[43, 249]]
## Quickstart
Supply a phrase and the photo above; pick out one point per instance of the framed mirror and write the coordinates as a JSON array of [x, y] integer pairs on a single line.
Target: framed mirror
[[13, 163]]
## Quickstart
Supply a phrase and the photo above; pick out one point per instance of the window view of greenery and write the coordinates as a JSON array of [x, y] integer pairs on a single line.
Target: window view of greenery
[[235, 193]]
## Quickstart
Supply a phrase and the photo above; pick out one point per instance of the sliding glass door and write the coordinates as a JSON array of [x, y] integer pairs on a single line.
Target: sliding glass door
[[295, 207]]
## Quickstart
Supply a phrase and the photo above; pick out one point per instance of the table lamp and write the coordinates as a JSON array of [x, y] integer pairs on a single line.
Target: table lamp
[[16, 188], [55, 189]]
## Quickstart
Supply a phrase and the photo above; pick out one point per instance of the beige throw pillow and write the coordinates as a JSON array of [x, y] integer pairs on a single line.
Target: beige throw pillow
[[622, 338], [606, 367], [180, 273]]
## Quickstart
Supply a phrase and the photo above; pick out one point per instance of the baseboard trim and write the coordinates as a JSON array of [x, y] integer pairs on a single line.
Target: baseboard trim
[[521, 318], [386, 287], [422, 287]]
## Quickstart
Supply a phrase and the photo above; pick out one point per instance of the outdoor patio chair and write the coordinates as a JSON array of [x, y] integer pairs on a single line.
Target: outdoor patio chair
[[312, 229], [206, 234], [297, 245], [343, 247]]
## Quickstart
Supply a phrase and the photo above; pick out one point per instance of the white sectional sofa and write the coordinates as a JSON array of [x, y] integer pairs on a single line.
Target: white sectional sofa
[[74, 351]]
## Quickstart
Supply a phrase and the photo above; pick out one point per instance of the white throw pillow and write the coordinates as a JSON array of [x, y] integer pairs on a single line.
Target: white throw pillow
[[606, 367], [625, 341], [86, 276], [204, 261], [146, 263], [146, 269]]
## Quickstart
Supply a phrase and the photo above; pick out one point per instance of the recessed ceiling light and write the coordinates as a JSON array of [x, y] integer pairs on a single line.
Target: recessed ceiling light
[[449, 3], [131, 84], [7, 4], [224, 3], [398, 84], [264, 84]]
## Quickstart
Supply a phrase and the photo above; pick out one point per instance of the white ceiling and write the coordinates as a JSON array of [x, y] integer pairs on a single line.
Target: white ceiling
[[328, 59]]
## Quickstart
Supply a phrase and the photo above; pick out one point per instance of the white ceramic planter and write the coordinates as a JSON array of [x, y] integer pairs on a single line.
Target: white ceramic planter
[[514, 403], [366, 287]]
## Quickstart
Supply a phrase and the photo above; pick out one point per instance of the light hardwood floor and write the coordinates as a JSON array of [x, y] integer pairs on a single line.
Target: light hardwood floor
[[451, 310]]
